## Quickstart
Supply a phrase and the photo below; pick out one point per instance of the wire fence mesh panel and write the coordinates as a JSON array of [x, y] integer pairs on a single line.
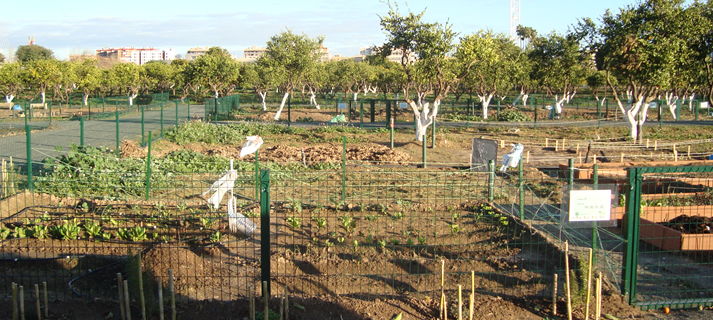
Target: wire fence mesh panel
[[675, 241], [77, 231]]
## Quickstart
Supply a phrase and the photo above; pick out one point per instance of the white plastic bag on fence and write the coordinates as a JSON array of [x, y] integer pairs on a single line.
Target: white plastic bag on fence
[[237, 221], [512, 158], [221, 187], [254, 143]]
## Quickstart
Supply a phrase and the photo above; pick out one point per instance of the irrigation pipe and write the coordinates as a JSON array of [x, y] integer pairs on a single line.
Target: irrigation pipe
[[88, 273]]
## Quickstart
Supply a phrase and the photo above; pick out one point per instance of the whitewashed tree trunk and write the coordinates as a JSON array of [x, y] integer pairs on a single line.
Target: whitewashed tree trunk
[[690, 101], [630, 112], [313, 99], [424, 118], [132, 96], [262, 96], [356, 94], [43, 96], [485, 101], [9, 97], [420, 96], [671, 100], [524, 99], [85, 98], [215, 95], [558, 103], [282, 105]]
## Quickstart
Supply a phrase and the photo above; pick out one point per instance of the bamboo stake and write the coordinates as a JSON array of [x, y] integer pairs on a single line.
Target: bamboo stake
[[675, 153], [622, 157], [460, 303], [47, 306], [656, 145], [14, 302], [39, 307], [647, 143], [22, 303], [160, 299], [577, 150], [445, 308], [598, 312], [554, 296], [122, 303], [471, 305], [566, 270], [547, 142], [594, 158], [580, 158], [266, 300], [557, 145], [443, 295], [564, 145], [287, 304], [127, 302], [251, 302], [589, 286], [172, 291], [502, 143], [688, 154], [528, 156], [141, 289]]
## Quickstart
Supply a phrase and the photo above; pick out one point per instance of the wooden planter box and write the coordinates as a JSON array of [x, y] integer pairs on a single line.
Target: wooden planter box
[[669, 239]]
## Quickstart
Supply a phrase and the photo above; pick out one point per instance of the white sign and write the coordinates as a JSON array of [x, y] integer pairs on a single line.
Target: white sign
[[403, 105], [342, 105], [704, 105], [653, 105], [589, 205]]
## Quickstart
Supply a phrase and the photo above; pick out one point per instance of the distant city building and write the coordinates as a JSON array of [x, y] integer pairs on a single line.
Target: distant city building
[[253, 52], [194, 53], [395, 55], [324, 57], [137, 55]]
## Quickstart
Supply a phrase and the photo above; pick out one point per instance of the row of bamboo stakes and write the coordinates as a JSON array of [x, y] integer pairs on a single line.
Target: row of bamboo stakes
[[18, 301], [562, 146], [443, 309]]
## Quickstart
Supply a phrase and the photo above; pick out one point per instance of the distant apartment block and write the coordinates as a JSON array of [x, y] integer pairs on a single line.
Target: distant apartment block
[[137, 55], [194, 53], [395, 55], [253, 52]]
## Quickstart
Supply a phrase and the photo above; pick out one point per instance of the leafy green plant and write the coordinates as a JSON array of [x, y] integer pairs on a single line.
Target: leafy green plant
[[370, 217], [513, 115], [398, 216], [68, 230], [295, 205], [348, 224], [294, 223], [4, 233], [321, 222], [19, 232], [216, 237], [455, 229], [92, 229], [207, 222], [137, 234], [421, 240], [39, 231]]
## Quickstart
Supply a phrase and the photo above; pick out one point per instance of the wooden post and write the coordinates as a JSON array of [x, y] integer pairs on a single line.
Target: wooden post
[[566, 270], [622, 157], [251, 302], [22, 302], [172, 291], [675, 153], [688, 154], [266, 299], [47, 306], [577, 150], [15, 313], [443, 295], [122, 303], [528, 157], [160, 299], [656, 145], [594, 158], [287, 304], [39, 307], [471, 306], [502, 143], [589, 286], [598, 312], [557, 145], [564, 144], [647, 143], [547, 142], [554, 296], [127, 301], [460, 303]]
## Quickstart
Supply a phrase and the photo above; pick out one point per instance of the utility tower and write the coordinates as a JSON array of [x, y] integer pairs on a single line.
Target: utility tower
[[514, 19]]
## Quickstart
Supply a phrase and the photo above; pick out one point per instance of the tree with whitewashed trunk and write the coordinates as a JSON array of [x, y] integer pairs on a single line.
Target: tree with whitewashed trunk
[[559, 66], [313, 82], [640, 46], [87, 79], [260, 78], [216, 70], [494, 64], [431, 43], [42, 75], [67, 81], [292, 56], [129, 76], [11, 80]]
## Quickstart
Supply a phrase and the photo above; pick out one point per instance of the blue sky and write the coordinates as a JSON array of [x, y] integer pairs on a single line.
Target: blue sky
[[78, 25]]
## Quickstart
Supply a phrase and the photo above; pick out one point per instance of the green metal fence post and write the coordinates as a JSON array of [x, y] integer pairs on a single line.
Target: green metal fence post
[[498, 117], [28, 147], [50, 106], [176, 113], [595, 230], [188, 109], [521, 187], [103, 105], [535, 108], [257, 177], [117, 132], [491, 180], [695, 109], [215, 107], [361, 114], [81, 131], [388, 112], [289, 110], [143, 140], [599, 112], [570, 174], [344, 168], [433, 134], [264, 182], [424, 140], [148, 169], [372, 104], [678, 109], [631, 219], [161, 119]]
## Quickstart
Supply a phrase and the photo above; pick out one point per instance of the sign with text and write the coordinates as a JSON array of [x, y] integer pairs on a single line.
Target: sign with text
[[589, 205], [403, 105], [342, 105]]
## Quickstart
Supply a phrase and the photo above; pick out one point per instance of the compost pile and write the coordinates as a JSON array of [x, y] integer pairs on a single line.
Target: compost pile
[[690, 224]]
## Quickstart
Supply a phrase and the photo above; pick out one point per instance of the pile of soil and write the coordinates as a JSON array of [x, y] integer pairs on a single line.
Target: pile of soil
[[691, 224]]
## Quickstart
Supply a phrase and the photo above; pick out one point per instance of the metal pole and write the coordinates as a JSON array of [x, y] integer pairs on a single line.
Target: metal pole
[[143, 132], [50, 106], [161, 119], [521, 187], [28, 147], [81, 131], [595, 230], [423, 147], [216, 111], [361, 114], [176, 113], [117, 132], [265, 227], [344, 168], [391, 132], [148, 169], [491, 179], [433, 134], [289, 110]]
